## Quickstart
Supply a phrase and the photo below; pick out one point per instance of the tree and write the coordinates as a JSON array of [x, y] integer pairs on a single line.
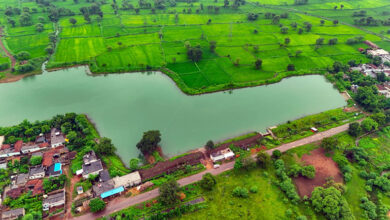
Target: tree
[[276, 19], [308, 26], [322, 22], [39, 27], [329, 143], [258, 64], [248, 162], [23, 55], [300, 31], [367, 97], [308, 171], [284, 30], [320, 41], [213, 45], [35, 160], [332, 41], [297, 53], [379, 117], [369, 125], [335, 22], [168, 192], [354, 129], [208, 181], [194, 54], [240, 192], [134, 163], [331, 203], [276, 154], [72, 21], [287, 41], [105, 147], [11, 22], [25, 19], [149, 142], [210, 145], [381, 77], [97, 205], [252, 16], [290, 67], [263, 159]]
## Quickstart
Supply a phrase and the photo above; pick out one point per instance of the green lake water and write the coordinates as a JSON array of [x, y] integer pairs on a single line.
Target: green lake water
[[123, 106]]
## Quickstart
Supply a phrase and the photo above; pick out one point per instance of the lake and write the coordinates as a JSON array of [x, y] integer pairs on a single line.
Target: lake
[[123, 106]]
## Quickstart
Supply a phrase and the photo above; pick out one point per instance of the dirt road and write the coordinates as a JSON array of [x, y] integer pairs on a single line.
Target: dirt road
[[114, 207], [12, 58]]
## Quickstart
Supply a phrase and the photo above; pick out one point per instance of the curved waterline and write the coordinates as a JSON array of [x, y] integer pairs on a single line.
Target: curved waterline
[[125, 105]]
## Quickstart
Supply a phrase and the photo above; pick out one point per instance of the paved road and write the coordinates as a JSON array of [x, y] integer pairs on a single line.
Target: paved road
[[116, 206]]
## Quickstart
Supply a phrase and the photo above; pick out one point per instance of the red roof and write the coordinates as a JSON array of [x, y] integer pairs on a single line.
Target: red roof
[[18, 145], [5, 146], [48, 157], [36, 185], [15, 193], [43, 145], [380, 87]]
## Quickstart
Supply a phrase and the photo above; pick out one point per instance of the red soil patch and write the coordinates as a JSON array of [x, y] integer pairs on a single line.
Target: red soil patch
[[325, 168]]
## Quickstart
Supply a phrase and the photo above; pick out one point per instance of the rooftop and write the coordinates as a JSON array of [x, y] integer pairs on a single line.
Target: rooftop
[[104, 175], [89, 157], [36, 170], [18, 145], [92, 167], [100, 188], [21, 179], [126, 180], [36, 186], [15, 193], [54, 198], [56, 137], [13, 213], [112, 192]]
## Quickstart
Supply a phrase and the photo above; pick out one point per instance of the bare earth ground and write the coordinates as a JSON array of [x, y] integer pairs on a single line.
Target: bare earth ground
[[121, 203], [325, 167], [12, 58]]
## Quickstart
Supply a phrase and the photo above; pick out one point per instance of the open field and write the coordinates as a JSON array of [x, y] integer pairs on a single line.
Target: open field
[[127, 40]]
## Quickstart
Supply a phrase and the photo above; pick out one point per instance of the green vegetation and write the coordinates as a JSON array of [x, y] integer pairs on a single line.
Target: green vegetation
[[204, 46], [54, 183], [96, 205], [300, 128]]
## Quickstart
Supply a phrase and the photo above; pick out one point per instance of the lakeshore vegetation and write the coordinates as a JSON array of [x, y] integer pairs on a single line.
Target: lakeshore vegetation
[[203, 45]]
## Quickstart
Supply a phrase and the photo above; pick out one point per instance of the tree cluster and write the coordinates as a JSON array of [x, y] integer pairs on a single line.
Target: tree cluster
[[149, 142], [285, 184]]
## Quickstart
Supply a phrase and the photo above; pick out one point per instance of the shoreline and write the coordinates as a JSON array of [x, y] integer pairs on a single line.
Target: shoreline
[[171, 75]]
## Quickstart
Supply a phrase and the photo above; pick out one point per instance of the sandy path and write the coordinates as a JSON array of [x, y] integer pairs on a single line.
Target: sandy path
[[12, 58]]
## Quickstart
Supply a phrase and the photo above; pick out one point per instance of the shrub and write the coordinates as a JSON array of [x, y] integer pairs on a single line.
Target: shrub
[[309, 172], [35, 160], [254, 189], [96, 205], [276, 154], [208, 181], [240, 192]]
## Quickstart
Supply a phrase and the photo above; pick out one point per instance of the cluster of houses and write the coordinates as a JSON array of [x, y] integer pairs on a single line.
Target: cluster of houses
[[373, 70], [106, 186], [51, 148]]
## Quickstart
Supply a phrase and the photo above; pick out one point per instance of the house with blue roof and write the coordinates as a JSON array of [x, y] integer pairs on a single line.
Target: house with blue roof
[[54, 170]]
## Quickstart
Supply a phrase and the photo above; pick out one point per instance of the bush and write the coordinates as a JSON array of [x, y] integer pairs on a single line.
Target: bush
[[309, 172], [35, 160], [208, 181], [96, 205], [240, 192], [254, 189], [276, 154]]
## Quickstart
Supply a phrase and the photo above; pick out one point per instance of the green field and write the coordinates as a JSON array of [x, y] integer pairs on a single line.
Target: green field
[[154, 37]]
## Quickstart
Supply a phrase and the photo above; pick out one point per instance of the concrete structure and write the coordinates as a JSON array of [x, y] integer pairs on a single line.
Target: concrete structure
[[100, 188], [54, 170], [13, 214], [93, 168], [384, 89], [36, 173], [129, 180], [56, 138], [104, 176], [89, 157], [9, 152], [21, 179], [222, 154], [30, 148], [53, 200]]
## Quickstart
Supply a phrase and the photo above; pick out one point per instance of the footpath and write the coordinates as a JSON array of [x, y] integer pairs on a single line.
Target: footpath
[[122, 204]]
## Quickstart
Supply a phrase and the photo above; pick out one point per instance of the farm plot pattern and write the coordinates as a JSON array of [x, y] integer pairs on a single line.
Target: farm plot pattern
[[159, 38]]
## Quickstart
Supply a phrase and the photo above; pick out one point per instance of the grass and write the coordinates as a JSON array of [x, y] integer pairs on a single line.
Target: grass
[[126, 41], [294, 130], [268, 203]]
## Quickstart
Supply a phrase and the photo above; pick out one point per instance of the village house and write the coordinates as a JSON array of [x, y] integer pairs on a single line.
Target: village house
[[41, 139], [3, 164], [21, 179], [26, 149], [15, 193], [53, 200], [56, 138], [13, 214], [89, 157], [35, 186], [54, 170], [104, 176], [220, 154], [384, 89], [129, 180], [36, 173], [93, 168], [102, 187]]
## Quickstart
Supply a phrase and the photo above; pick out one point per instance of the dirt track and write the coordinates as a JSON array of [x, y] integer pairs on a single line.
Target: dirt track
[[124, 203], [12, 58]]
